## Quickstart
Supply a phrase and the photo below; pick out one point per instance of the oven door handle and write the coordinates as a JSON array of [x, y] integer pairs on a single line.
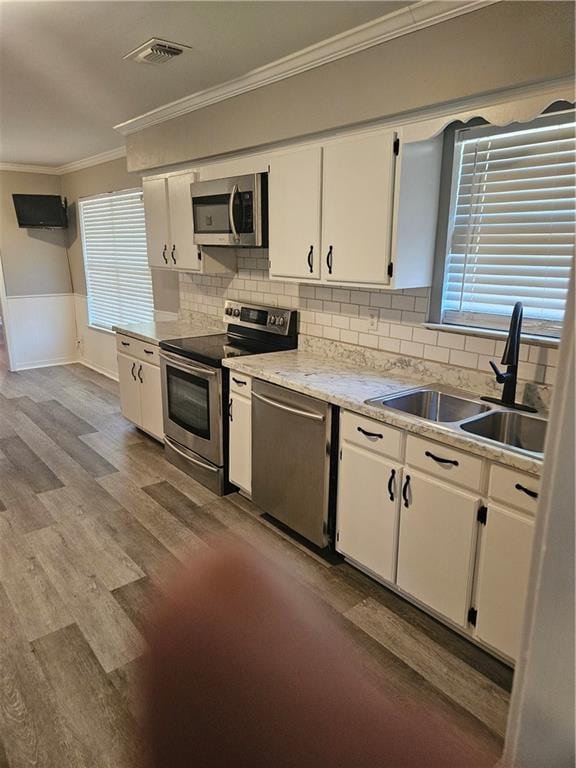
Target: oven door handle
[[187, 456], [184, 365], [296, 411], [231, 213]]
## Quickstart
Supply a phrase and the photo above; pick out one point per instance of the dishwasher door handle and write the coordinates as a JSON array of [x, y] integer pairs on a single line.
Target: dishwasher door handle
[[288, 408]]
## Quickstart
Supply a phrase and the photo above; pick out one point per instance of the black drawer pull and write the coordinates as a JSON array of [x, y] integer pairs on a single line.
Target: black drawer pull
[[440, 460], [391, 484], [230, 410], [329, 260], [239, 382], [370, 434], [172, 254], [140, 375], [149, 351], [164, 254], [527, 491], [310, 257], [132, 371], [405, 491], [125, 343]]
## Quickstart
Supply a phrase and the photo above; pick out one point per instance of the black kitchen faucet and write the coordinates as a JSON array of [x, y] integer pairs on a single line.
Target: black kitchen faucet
[[510, 359]]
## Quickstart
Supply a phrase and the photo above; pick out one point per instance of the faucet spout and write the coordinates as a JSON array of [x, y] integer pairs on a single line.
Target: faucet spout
[[512, 348]]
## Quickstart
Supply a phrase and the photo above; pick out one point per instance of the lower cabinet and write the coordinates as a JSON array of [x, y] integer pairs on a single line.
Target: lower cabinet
[[437, 545], [504, 562], [240, 441], [141, 394], [367, 512]]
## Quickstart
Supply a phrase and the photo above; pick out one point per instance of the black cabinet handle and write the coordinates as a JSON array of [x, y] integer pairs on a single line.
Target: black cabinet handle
[[172, 254], [164, 254], [140, 375], [230, 409], [310, 259], [391, 484], [199, 255], [329, 260], [132, 371], [125, 343], [527, 491], [149, 351], [440, 460], [370, 434], [239, 382], [405, 488]]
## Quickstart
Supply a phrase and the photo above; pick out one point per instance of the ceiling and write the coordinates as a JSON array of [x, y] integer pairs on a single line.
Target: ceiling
[[63, 83]]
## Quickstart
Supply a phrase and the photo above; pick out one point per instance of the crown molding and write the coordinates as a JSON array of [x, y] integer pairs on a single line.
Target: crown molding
[[60, 170], [424, 13]]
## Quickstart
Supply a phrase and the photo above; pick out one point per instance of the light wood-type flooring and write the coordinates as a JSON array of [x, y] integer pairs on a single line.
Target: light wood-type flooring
[[92, 519]]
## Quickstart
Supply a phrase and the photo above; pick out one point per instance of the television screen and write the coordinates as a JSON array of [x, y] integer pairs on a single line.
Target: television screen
[[40, 211]]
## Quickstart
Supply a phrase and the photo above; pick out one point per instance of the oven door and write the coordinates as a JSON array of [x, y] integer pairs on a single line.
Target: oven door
[[192, 406], [228, 211]]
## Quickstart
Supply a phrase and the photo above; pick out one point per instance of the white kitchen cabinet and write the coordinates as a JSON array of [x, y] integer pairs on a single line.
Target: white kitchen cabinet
[[155, 196], [503, 567], [357, 192], [367, 510], [141, 394], [437, 545], [129, 388], [240, 439], [294, 192], [183, 251]]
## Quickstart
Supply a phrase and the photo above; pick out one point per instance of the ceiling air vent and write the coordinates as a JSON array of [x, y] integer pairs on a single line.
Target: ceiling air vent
[[156, 51]]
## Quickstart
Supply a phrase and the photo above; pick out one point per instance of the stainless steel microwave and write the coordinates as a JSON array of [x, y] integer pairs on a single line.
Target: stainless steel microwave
[[232, 212]]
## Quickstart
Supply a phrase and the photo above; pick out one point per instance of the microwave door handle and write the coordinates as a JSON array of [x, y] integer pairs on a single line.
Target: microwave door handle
[[231, 213]]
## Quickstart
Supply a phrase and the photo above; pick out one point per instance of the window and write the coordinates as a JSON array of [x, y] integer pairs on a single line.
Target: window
[[118, 277], [511, 225]]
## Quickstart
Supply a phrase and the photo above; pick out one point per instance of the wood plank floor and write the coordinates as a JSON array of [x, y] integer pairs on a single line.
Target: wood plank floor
[[93, 521]]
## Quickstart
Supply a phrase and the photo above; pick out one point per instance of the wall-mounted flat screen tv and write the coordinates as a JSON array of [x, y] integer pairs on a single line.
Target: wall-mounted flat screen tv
[[41, 211]]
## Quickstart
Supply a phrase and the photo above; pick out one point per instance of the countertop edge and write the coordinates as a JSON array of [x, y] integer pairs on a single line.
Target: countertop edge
[[530, 465]]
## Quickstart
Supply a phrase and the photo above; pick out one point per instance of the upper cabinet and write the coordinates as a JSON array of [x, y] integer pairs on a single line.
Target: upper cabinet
[[169, 228], [355, 211]]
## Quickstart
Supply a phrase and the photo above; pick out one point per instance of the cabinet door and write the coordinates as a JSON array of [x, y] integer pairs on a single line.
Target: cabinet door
[[436, 545], [294, 193], [357, 192], [151, 399], [367, 512], [240, 443], [183, 253], [157, 221], [505, 552], [129, 388]]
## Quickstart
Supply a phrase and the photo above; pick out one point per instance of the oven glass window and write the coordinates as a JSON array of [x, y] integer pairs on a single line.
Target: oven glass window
[[211, 214], [188, 401]]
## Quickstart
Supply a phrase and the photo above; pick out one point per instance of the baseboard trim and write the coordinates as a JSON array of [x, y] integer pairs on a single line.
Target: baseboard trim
[[98, 369], [45, 363]]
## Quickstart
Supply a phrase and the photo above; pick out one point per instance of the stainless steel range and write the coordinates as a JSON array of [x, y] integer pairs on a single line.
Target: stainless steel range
[[195, 386]]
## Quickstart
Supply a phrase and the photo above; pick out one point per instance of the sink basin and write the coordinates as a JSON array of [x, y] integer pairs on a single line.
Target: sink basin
[[433, 405], [510, 428]]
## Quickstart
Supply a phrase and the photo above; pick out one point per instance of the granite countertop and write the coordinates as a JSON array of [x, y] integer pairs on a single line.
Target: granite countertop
[[348, 386], [155, 332]]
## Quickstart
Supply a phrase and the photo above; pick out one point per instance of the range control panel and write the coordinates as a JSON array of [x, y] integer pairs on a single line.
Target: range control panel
[[271, 319]]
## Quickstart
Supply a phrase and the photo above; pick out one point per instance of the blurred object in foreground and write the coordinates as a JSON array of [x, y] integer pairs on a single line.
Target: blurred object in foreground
[[244, 670]]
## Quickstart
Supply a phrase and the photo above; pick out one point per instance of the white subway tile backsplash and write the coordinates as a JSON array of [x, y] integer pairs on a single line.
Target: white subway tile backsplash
[[387, 320]]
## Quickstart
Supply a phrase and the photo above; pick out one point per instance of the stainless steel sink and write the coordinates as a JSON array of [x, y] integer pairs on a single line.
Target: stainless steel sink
[[433, 404], [510, 428]]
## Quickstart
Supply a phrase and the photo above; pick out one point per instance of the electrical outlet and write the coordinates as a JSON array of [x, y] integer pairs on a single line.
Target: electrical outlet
[[373, 320]]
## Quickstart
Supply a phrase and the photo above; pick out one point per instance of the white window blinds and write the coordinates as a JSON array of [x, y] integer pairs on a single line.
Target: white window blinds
[[512, 226], [118, 278]]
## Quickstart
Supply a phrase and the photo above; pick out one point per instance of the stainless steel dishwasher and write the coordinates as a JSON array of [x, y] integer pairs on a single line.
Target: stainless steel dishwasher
[[291, 451]]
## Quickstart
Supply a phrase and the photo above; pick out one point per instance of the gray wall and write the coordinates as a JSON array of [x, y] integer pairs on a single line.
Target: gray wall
[[108, 177], [501, 46], [34, 261]]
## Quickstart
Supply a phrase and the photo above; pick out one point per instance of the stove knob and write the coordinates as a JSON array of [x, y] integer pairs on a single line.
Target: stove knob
[[228, 310], [272, 320], [236, 313], [280, 321]]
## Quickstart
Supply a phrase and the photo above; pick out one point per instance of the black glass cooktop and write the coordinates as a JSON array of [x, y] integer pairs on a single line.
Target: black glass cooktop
[[211, 350]]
